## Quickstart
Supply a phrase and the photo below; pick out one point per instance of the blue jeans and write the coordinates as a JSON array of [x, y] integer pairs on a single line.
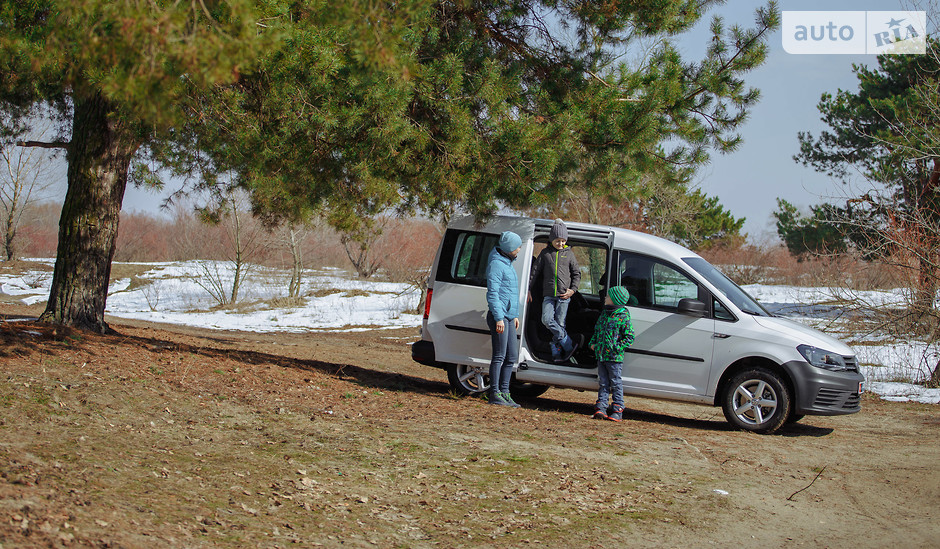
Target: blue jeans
[[611, 383], [554, 311], [505, 353]]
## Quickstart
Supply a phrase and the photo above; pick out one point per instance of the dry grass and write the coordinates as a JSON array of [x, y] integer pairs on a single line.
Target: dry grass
[[201, 438]]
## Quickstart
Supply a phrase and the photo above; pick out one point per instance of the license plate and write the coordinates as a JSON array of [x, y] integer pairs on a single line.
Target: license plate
[[861, 387]]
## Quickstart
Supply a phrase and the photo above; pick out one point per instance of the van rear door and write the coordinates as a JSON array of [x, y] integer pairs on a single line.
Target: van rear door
[[457, 315]]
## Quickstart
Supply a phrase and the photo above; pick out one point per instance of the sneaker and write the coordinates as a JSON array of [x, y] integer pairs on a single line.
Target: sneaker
[[497, 400], [616, 413], [509, 400], [599, 413], [576, 342]]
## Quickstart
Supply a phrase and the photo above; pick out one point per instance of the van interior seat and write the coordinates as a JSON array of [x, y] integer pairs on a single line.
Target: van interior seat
[[636, 281]]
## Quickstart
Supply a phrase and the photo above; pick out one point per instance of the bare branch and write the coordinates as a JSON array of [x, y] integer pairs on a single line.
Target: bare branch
[[45, 144]]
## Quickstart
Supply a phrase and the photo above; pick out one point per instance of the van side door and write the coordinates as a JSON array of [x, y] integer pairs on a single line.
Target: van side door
[[672, 352]]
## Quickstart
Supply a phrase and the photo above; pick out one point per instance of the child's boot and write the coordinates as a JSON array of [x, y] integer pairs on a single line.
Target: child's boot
[[556, 351], [600, 412], [616, 413], [568, 347]]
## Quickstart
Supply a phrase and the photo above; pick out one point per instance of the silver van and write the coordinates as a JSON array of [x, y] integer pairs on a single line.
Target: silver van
[[699, 337]]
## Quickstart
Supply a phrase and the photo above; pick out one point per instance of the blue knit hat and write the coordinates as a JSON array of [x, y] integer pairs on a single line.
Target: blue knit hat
[[618, 295], [509, 241]]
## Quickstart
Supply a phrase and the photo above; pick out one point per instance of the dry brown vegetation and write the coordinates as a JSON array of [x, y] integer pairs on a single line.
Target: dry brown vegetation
[[172, 437], [403, 251]]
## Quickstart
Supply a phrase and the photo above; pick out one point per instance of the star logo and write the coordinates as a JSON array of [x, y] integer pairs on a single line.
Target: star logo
[[894, 22]]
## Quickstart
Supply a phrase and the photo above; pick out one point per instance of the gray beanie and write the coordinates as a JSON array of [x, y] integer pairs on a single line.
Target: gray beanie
[[509, 241], [558, 230]]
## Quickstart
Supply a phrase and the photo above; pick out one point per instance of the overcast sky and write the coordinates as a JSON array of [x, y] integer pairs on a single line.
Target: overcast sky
[[748, 181]]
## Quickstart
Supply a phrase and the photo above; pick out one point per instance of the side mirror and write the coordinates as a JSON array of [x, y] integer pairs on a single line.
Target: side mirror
[[691, 307]]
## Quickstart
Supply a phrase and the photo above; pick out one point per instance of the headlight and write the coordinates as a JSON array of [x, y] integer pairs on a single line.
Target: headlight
[[823, 359]]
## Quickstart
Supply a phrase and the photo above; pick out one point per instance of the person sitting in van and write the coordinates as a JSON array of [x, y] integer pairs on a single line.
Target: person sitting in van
[[557, 269], [502, 318], [613, 333]]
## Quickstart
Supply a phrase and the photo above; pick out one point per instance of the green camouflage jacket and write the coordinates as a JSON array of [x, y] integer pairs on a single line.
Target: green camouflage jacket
[[613, 333]]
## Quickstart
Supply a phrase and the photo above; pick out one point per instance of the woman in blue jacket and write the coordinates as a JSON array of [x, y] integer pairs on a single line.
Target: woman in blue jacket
[[502, 299]]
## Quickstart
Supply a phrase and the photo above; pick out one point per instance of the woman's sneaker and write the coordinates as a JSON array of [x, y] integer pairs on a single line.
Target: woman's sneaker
[[599, 413], [616, 413], [509, 400], [497, 400]]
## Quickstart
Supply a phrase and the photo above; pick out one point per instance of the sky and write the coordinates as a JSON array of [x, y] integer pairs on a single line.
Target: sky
[[749, 180], [336, 302]]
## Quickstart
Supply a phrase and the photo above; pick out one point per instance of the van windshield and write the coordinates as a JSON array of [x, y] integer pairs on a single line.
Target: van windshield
[[726, 286]]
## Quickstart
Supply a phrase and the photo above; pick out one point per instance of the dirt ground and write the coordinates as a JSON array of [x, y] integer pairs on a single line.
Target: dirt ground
[[164, 436]]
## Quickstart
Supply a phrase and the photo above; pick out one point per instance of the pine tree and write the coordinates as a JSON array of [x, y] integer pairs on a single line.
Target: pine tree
[[483, 105], [887, 132], [114, 72], [357, 108]]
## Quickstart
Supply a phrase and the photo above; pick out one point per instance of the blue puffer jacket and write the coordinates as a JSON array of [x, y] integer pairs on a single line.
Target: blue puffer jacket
[[502, 287]]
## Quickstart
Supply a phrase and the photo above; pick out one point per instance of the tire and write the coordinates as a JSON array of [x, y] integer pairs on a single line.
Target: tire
[[756, 400], [526, 390], [468, 380], [793, 418]]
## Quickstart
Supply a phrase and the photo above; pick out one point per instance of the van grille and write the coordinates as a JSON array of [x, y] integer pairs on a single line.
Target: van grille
[[831, 398], [851, 363]]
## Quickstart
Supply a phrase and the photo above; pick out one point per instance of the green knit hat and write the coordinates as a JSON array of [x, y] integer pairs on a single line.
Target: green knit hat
[[618, 295]]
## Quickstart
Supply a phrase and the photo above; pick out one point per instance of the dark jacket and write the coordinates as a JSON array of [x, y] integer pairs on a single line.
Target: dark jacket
[[558, 270]]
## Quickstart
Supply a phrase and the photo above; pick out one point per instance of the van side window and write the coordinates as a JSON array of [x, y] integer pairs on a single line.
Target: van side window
[[653, 283], [669, 286], [592, 262], [721, 312], [464, 256]]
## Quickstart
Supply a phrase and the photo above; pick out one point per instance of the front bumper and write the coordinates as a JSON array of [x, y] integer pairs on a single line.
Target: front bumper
[[823, 392]]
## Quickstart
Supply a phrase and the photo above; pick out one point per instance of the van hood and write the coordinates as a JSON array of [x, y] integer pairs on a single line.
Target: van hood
[[804, 334]]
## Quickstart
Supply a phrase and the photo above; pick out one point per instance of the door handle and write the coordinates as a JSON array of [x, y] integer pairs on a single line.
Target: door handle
[[716, 335]]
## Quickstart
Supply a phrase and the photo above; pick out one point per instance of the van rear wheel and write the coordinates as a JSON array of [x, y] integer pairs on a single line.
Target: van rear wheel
[[521, 390], [756, 400], [468, 380]]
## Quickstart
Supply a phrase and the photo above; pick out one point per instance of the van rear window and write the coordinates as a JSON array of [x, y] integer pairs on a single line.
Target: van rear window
[[463, 257]]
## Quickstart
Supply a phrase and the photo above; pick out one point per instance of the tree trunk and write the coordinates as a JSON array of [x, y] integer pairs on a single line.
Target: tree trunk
[[297, 264], [925, 298], [8, 237], [99, 155]]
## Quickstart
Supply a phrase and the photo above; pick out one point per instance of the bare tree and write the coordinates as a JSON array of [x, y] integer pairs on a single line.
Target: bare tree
[[359, 247], [292, 235], [24, 178], [411, 245], [246, 239]]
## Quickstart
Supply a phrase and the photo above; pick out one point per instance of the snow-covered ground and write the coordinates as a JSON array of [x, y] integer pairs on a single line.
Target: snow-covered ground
[[178, 293]]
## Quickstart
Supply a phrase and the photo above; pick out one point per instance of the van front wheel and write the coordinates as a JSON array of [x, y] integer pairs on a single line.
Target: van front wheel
[[468, 380], [756, 400]]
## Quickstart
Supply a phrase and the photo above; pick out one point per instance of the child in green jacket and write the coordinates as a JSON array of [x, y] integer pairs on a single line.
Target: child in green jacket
[[613, 333]]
